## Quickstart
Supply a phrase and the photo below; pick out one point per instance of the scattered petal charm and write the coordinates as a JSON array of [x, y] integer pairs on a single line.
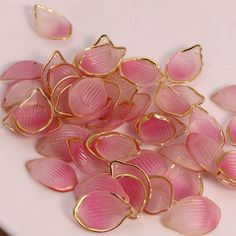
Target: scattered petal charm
[[231, 131]]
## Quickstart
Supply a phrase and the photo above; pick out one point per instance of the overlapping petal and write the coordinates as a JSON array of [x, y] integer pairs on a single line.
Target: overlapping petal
[[231, 131]]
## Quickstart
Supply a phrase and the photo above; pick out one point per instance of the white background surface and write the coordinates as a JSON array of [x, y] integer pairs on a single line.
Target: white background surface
[[151, 28]]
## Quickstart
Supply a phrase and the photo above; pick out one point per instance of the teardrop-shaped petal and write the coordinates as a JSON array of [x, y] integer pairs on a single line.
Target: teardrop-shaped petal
[[179, 154], [18, 91], [87, 96], [140, 104], [54, 59], [141, 71], [55, 144], [112, 146], [155, 128], [100, 182], [136, 191], [35, 113], [83, 159], [53, 173], [202, 122], [100, 60], [151, 162], [231, 131], [119, 168], [227, 165], [59, 72], [225, 98], [103, 39], [23, 70], [51, 24], [162, 195], [101, 211], [185, 66], [205, 151], [193, 216], [185, 182], [176, 99]]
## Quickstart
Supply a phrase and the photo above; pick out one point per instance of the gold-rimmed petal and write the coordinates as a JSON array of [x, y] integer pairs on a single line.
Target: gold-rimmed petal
[[105, 207], [39, 105], [103, 39], [177, 100], [51, 24], [231, 131], [141, 71], [186, 65]]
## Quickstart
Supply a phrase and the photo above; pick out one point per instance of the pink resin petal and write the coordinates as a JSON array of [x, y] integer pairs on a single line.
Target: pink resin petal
[[54, 59], [231, 131], [226, 98], [193, 216], [55, 144], [23, 70], [59, 72], [101, 211], [136, 191], [17, 91], [162, 195], [202, 122], [186, 65], [116, 146], [141, 71], [51, 24], [87, 96], [205, 151], [100, 182], [100, 60], [53, 173], [35, 113], [83, 159], [151, 162], [185, 182], [155, 128], [179, 154], [140, 102], [119, 168], [227, 165]]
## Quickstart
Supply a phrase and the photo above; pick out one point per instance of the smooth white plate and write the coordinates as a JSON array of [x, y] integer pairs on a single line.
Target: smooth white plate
[[150, 28]]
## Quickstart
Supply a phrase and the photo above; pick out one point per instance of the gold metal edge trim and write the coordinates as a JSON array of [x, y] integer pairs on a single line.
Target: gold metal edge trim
[[99, 41]]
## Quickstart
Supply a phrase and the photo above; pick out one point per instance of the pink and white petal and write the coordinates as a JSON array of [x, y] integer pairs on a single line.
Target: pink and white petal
[[193, 216], [17, 91], [179, 155], [151, 162], [136, 191], [119, 168], [227, 165], [35, 113], [162, 195], [55, 144], [155, 128], [202, 122], [103, 39], [83, 159], [53, 173], [185, 182], [51, 24], [112, 146], [23, 70], [101, 211], [226, 180], [87, 96], [185, 66], [100, 182], [231, 131], [58, 72], [141, 71], [54, 59], [100, 60], [140, 102], [225, 98], [205, 151]]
